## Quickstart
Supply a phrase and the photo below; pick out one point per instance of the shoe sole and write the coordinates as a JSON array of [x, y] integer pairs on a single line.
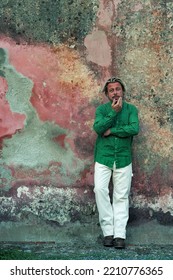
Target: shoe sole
[[108, 245], [119, 247]]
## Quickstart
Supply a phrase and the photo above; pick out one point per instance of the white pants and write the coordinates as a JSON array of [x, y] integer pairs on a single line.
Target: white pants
[[113, 216]]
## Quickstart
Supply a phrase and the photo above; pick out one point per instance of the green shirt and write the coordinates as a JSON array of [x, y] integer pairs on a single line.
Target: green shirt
[[117, 147]]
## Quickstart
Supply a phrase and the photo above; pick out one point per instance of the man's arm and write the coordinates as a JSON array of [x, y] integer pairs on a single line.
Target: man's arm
[[103, 122], [130, 129]]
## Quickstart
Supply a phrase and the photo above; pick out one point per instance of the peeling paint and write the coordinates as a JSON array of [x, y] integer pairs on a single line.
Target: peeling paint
[[50, 204], [162, 202], [98, 48], [22, 190], [49, 92], [105, 14], [33, 146]]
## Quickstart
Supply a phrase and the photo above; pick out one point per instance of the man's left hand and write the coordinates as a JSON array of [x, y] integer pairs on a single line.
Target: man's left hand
[[107, 133]]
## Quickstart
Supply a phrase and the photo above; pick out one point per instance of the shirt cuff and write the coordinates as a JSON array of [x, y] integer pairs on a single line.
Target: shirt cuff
[[113, 113]]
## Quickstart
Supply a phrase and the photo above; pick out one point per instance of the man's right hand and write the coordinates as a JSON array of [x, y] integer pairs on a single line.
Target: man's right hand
[[117, 106]]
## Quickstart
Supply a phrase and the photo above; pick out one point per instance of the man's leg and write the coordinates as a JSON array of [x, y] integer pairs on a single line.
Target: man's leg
[[102, 177], [122, 182]]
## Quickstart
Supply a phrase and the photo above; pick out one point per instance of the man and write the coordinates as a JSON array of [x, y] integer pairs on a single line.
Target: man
[[116, 122]]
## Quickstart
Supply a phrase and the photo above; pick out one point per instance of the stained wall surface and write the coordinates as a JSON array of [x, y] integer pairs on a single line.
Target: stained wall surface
[[55, 57]]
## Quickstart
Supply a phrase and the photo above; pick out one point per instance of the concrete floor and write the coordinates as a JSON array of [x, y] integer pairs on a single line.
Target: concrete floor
[[82, 251], [145, 232], [147, 240]]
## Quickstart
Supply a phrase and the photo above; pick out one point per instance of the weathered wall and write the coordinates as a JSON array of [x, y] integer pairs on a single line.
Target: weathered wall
[[54, 59]]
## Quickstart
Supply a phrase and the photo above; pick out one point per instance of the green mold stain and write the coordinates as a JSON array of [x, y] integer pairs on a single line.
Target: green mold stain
[[33, 147], [51, 21]]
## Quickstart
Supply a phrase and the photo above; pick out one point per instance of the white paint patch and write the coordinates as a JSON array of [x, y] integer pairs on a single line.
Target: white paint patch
[[164, 203], [23, 190]]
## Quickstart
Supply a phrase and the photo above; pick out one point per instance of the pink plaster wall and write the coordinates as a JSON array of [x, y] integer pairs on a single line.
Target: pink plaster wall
[[49, 94]]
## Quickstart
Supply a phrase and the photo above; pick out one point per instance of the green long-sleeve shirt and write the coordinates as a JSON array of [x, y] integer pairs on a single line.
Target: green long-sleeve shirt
[[123, 126]]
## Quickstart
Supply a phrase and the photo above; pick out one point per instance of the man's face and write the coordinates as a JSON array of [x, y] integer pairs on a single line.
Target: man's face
[[114, 91]]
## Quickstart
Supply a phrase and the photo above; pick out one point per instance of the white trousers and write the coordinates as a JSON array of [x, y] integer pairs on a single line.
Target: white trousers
[[113, 216]]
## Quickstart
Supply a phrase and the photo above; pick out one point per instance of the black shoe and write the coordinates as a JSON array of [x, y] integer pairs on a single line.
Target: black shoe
[[119, 243], [108, 241]]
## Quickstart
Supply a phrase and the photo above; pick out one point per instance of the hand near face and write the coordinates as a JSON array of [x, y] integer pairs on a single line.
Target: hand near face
[[117, 105]]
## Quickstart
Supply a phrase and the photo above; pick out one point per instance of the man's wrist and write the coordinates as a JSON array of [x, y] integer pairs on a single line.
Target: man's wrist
[[113, 113]]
